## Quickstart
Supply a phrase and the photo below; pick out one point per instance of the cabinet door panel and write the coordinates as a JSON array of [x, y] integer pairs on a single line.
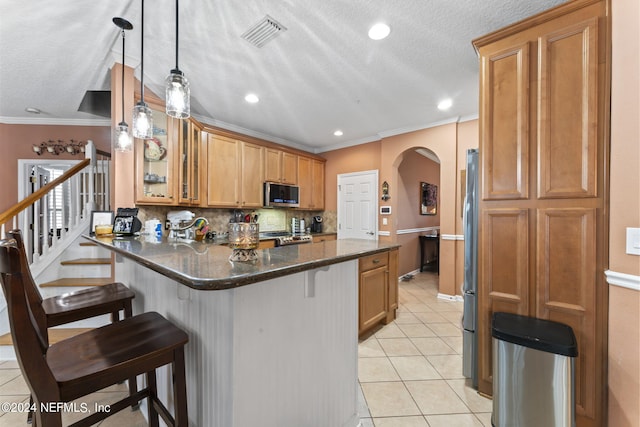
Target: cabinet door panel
[[252, 174], [505, 123], [317, 185], [289, 168], [566, 290], [304, 182], [568, 107], [503, 280], [156, 159], [373, 297], [223, 168]]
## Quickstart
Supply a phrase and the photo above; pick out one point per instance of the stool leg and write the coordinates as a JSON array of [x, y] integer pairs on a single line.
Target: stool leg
[[48, 419], [180, 388], [30, 413], [133, 383], [153, 396]]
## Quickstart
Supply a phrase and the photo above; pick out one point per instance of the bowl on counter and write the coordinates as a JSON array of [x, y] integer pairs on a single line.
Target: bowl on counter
[[104, 229]]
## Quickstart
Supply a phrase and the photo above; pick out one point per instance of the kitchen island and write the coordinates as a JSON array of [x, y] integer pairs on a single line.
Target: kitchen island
[[271, 343]]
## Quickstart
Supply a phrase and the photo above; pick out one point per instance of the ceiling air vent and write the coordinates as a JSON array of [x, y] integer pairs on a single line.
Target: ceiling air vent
[[263, 31]]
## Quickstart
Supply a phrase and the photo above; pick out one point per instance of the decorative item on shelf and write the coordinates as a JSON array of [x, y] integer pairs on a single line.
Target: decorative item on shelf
[[153, 150], [142, 117], [178, 92], [121, 137], [244, 238], [152, 178], [385, 191], [58, 147]]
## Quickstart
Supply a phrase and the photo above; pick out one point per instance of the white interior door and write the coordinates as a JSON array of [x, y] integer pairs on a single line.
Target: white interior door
[[358, 205]]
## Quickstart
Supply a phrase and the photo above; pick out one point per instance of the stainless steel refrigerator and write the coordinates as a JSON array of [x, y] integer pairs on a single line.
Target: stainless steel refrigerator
[[470, 286]]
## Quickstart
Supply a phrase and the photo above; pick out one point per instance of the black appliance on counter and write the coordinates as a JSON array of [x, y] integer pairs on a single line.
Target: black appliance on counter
[[316, 224]]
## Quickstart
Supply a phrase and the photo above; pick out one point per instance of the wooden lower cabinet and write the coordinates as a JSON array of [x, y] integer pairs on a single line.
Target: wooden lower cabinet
[[378, 289], [324, 238]]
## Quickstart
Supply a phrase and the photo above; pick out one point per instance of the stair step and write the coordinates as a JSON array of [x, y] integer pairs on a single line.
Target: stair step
[[88, 244], [55, 335], [87, 261], [77, 281]]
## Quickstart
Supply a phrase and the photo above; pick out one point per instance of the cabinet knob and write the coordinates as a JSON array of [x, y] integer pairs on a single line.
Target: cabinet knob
[[376, 261]]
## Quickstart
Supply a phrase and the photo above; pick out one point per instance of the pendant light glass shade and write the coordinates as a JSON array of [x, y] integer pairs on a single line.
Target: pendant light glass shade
[[121, 138], [142, 121], [142, 126], [178, 95], [178, 92]]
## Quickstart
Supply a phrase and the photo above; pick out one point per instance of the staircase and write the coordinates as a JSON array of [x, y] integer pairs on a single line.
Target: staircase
[[61, 259]]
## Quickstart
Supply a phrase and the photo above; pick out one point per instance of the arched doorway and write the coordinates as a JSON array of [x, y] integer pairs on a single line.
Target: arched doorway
[[442, 141]]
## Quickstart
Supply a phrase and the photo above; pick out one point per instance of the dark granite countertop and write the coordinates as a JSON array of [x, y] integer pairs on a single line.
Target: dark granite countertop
[[206, 266]]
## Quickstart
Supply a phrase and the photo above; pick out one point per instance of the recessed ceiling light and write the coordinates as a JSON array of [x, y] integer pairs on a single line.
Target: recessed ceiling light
[[32, 110], [338, 133], [252, 98], [379, 31], [445, 104]]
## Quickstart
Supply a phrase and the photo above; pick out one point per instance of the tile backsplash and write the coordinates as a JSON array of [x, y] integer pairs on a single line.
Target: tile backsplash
[[269, 219]]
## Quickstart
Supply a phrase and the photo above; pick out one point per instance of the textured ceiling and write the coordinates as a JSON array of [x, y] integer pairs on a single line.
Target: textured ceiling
[[322, 74]]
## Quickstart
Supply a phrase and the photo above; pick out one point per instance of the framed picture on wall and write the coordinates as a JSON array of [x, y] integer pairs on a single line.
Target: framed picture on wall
[[428, 199]]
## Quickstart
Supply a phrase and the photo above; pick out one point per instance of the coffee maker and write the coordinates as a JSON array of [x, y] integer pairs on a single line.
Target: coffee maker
[[316, 224]]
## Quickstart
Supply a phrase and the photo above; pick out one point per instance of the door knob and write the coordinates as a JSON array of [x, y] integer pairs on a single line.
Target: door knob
[[370, 233]]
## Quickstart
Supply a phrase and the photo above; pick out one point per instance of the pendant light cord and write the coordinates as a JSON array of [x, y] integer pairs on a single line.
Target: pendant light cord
[[176, 34], [142, 55], [122, 75]]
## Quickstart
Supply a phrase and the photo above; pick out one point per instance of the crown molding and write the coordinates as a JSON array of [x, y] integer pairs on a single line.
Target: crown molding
[[54, 121]]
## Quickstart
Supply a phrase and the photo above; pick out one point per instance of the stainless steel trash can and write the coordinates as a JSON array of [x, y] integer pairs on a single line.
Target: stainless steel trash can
[[533, 372]]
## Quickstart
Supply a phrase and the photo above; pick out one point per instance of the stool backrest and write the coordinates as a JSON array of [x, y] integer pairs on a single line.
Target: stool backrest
[[29, 339], [30, 288]]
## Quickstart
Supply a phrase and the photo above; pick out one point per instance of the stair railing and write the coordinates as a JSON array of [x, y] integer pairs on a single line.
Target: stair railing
[[83, 188]]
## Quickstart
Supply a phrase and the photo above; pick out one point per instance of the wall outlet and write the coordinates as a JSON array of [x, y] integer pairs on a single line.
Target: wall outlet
[[633, 241]]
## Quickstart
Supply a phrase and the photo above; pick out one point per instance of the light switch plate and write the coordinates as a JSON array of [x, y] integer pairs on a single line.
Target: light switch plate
[[633, 241]]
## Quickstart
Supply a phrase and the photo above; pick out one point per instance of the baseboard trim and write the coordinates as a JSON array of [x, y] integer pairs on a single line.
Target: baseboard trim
[[446, 297]]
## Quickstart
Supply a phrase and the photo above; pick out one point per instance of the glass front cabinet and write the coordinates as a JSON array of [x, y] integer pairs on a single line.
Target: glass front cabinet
[[155, 160], [190, 156]]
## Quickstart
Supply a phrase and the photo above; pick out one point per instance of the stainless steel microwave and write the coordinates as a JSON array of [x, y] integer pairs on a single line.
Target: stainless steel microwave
[[281, 195]]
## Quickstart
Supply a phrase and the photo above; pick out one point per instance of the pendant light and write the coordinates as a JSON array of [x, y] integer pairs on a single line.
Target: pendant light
[[122, 139], [142, 118], [178, 93]]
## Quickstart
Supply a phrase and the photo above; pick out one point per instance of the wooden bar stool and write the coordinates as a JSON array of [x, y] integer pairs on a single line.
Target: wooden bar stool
[[73, 306], [91, 361]]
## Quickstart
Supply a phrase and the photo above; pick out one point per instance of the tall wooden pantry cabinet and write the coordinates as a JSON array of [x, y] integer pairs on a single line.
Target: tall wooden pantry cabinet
[[544, 114]]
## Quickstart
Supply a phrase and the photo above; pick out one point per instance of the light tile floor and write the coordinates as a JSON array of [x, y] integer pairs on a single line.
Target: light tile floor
[[410, 371]]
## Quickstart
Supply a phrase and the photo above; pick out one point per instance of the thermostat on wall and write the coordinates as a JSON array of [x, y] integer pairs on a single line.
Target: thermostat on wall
[[385, 210]]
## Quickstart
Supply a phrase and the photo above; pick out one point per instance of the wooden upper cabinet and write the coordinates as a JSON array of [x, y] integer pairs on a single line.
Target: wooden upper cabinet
[[304, 182], [223, 171], [280, 166], [234, 173], [289, 168], [155, 159], [252, 176], [189, 162], [311, 183], [568, 106], [505, 121]]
